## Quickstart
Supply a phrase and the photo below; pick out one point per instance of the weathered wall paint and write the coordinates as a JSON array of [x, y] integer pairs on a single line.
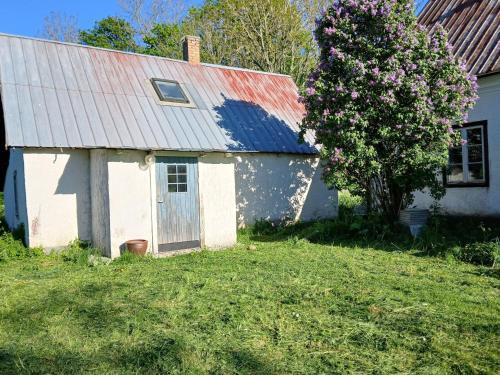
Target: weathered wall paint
[[129, 199], [217, 200], [57, 196], [477, 200], [108, 196], [281, 187], [99, 192], [16, 166]]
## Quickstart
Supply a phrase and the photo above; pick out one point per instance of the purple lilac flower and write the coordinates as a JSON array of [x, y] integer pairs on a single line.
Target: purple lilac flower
[[337, 155], [310, 91], [354, 95], [329, 31], [463, 142]]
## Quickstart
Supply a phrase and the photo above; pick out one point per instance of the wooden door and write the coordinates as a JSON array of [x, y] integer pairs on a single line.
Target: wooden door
[[177, 203]]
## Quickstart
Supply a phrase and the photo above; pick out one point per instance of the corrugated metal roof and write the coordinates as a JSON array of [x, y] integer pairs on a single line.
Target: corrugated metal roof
[[473, 30], [65, 95]]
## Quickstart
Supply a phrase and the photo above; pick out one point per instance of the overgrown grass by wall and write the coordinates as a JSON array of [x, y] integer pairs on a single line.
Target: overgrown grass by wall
[[470, 239]]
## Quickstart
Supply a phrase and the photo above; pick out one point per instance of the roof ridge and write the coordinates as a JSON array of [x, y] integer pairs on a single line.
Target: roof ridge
[[209, 65]]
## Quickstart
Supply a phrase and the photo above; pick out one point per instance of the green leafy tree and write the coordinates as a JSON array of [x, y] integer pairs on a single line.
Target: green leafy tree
[[111, 32], [383, 101], [269, 35], [164, 40], [265, 35], [208, 21]]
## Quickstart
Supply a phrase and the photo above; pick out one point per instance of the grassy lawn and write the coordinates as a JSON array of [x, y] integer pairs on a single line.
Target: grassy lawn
[[288, 306]]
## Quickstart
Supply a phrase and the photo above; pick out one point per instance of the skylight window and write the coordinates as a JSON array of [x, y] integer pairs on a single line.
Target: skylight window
[[169, 91]]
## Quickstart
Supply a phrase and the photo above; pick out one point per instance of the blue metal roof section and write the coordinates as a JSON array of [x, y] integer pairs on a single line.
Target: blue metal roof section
[[66, 95]]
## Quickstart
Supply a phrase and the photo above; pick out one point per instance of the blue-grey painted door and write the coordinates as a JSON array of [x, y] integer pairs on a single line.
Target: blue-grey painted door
[[177, 203]]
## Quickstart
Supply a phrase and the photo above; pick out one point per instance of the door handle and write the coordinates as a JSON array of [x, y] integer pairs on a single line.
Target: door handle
[[159, 200]]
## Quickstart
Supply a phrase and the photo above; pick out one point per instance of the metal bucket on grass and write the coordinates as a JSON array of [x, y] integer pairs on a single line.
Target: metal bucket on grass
[[415, 219]]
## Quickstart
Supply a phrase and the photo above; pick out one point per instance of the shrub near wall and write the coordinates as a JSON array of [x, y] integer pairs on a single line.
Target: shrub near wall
[[11, 247], [469, 239]]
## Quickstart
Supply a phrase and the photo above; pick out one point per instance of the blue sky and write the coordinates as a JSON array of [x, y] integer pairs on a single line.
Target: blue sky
[[25, 17]]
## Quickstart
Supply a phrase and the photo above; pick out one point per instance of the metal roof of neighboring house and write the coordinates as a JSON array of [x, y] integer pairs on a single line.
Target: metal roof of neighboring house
[[473, 30], [65, 95]]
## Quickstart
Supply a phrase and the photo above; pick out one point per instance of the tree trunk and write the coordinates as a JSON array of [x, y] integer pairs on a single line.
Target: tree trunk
[[396, 197]]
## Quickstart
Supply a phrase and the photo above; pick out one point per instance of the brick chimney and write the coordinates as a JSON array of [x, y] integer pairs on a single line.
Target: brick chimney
[[191, 49]]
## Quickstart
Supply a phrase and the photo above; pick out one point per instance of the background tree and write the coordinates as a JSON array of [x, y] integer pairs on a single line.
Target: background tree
[[383, 101], [143, 15], [209, 22], [60, 27], [256, 34], [309, 10], [164, 40], [111, 32]]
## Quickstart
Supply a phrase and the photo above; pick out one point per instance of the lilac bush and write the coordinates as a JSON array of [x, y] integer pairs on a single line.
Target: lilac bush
[[384, 100]]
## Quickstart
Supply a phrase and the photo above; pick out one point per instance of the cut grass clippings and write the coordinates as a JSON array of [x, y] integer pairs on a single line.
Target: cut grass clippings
[[287, 306]]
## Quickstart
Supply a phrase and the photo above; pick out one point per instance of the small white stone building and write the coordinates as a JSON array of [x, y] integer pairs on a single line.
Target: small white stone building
[[473, 179], [109, 146]]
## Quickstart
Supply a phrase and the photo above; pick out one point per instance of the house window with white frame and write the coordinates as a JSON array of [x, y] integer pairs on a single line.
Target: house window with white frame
[[468, 162]]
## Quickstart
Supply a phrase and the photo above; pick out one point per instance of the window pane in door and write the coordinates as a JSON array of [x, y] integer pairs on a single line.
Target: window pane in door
[[182, 188]]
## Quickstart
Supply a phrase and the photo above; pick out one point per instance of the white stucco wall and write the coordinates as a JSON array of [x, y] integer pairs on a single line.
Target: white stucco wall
[[16, 166], [217, 200], [57, 196], [281, 187], [108, 196], [478, 200], [129, 199]]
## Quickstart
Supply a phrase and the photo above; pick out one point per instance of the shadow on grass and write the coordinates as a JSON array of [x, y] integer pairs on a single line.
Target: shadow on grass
[[488, 272], [442, 236], [92, 312]]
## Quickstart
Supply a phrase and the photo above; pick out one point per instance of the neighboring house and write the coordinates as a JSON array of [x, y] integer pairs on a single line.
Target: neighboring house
[[473, 181], [108, 146]]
